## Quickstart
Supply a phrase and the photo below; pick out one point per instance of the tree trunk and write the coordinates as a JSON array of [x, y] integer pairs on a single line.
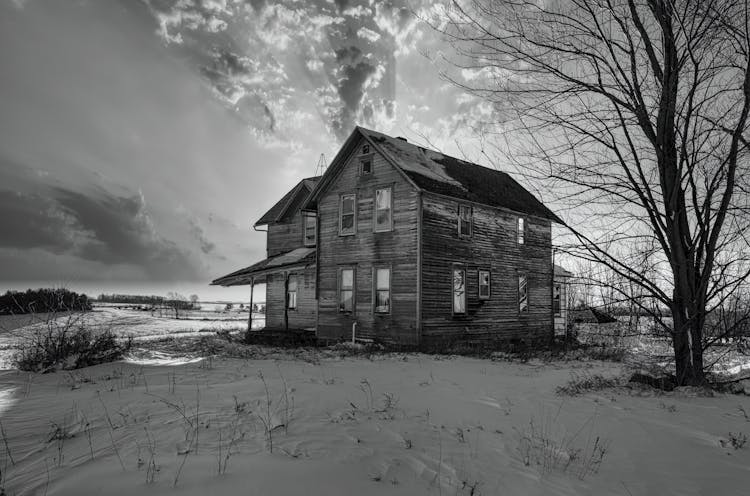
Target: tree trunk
[[688, 350]]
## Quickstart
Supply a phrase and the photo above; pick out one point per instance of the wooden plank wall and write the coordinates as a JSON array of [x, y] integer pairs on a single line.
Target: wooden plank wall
[[305, 316], [284, 236], [365, 250], [493, 247]]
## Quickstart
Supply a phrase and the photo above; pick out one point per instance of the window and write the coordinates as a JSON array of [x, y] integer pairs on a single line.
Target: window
[[291, 293], [521, 230], [346, 290], [383, 210], [523, 295], [347, 215], [464, 220], [556, 299], [365, 149], [382, 290], [310, 228], [459, 291], [365, 165], [484, 284]]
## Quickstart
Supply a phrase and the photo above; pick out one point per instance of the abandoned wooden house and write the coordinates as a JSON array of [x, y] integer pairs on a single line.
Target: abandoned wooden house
[[398, 243]]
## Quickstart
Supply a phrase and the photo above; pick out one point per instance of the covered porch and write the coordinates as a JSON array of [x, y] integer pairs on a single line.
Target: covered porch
[[290, 289]]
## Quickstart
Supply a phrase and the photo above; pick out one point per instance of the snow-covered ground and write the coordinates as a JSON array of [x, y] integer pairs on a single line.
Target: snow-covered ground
[[138, 324], [397, 424]]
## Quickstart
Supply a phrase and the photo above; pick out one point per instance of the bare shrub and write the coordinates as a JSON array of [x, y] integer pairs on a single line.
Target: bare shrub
[[586, 382], [736, 441], [549, 446], [68, 342]]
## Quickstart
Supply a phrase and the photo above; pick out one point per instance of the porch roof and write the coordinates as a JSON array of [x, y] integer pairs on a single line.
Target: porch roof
[[299, 257]]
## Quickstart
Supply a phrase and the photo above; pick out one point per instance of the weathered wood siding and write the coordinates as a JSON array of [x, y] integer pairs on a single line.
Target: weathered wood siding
[[365, 250], [284, 236], [304, 316], [492, 246]]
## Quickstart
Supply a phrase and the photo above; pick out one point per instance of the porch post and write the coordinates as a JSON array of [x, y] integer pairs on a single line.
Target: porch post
[[250, 318]]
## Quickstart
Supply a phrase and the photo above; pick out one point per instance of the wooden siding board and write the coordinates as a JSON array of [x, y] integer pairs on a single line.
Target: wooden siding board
[[284, 236], [493, 247], [366, 249], [305, 315]]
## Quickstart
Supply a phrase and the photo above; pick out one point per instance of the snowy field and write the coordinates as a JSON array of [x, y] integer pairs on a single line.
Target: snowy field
[[396, 424], [138, 324]]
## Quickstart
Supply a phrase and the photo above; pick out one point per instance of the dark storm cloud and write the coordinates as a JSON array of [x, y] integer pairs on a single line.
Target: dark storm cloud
[[100, 227], [29, 221]]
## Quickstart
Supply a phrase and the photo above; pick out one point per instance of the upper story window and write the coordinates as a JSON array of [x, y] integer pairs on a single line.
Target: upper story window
[[347, 214], [464, 220], [365, 161], [484, 284], [310, 228], [365, 165], [383, 210], [291, 293], [557, 299], [346, 290], [382, 290], [459, 290], [523, 294], [521, 230]]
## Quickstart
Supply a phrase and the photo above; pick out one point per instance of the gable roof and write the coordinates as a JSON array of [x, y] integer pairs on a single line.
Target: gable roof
[[434, 172], [294, 198]]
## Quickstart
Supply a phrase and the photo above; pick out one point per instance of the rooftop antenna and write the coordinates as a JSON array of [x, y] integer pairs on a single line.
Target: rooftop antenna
[[321, 167]]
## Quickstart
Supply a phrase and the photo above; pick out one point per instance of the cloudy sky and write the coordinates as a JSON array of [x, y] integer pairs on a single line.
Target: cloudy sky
[[141, 139]]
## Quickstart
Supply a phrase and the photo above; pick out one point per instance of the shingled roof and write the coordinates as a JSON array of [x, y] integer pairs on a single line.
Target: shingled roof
[[293, 198], [299, 257], [449, 176]]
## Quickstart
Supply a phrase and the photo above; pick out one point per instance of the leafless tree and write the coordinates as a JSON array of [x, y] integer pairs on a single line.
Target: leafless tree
[[633, 115]]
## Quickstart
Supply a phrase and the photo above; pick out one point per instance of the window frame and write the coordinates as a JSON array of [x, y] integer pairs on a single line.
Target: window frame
[[454, 269], [340, 289], [521, 230], [389, 227], [480, 285], [376, 290], [305, 217], [460, 221], [362, 162], [353, 214], [525, 309], [292, 278], [557, 299]]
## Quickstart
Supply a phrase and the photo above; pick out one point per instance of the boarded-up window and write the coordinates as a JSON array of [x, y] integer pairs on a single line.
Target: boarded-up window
[[484, 284], [347, 214], [346, 290], [523, 295], [459, 291], [291, 293], [310, 228], [521, 230], [383, 210], [464, 220], [556, 299], [382, 290]]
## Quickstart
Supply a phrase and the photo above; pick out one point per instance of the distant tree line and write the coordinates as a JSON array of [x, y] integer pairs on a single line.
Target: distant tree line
[[131, 299], [43, 300]]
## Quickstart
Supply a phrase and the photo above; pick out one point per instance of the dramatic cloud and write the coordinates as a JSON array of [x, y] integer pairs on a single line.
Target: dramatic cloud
[[96, 227], [139, 141], [256, 54]]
